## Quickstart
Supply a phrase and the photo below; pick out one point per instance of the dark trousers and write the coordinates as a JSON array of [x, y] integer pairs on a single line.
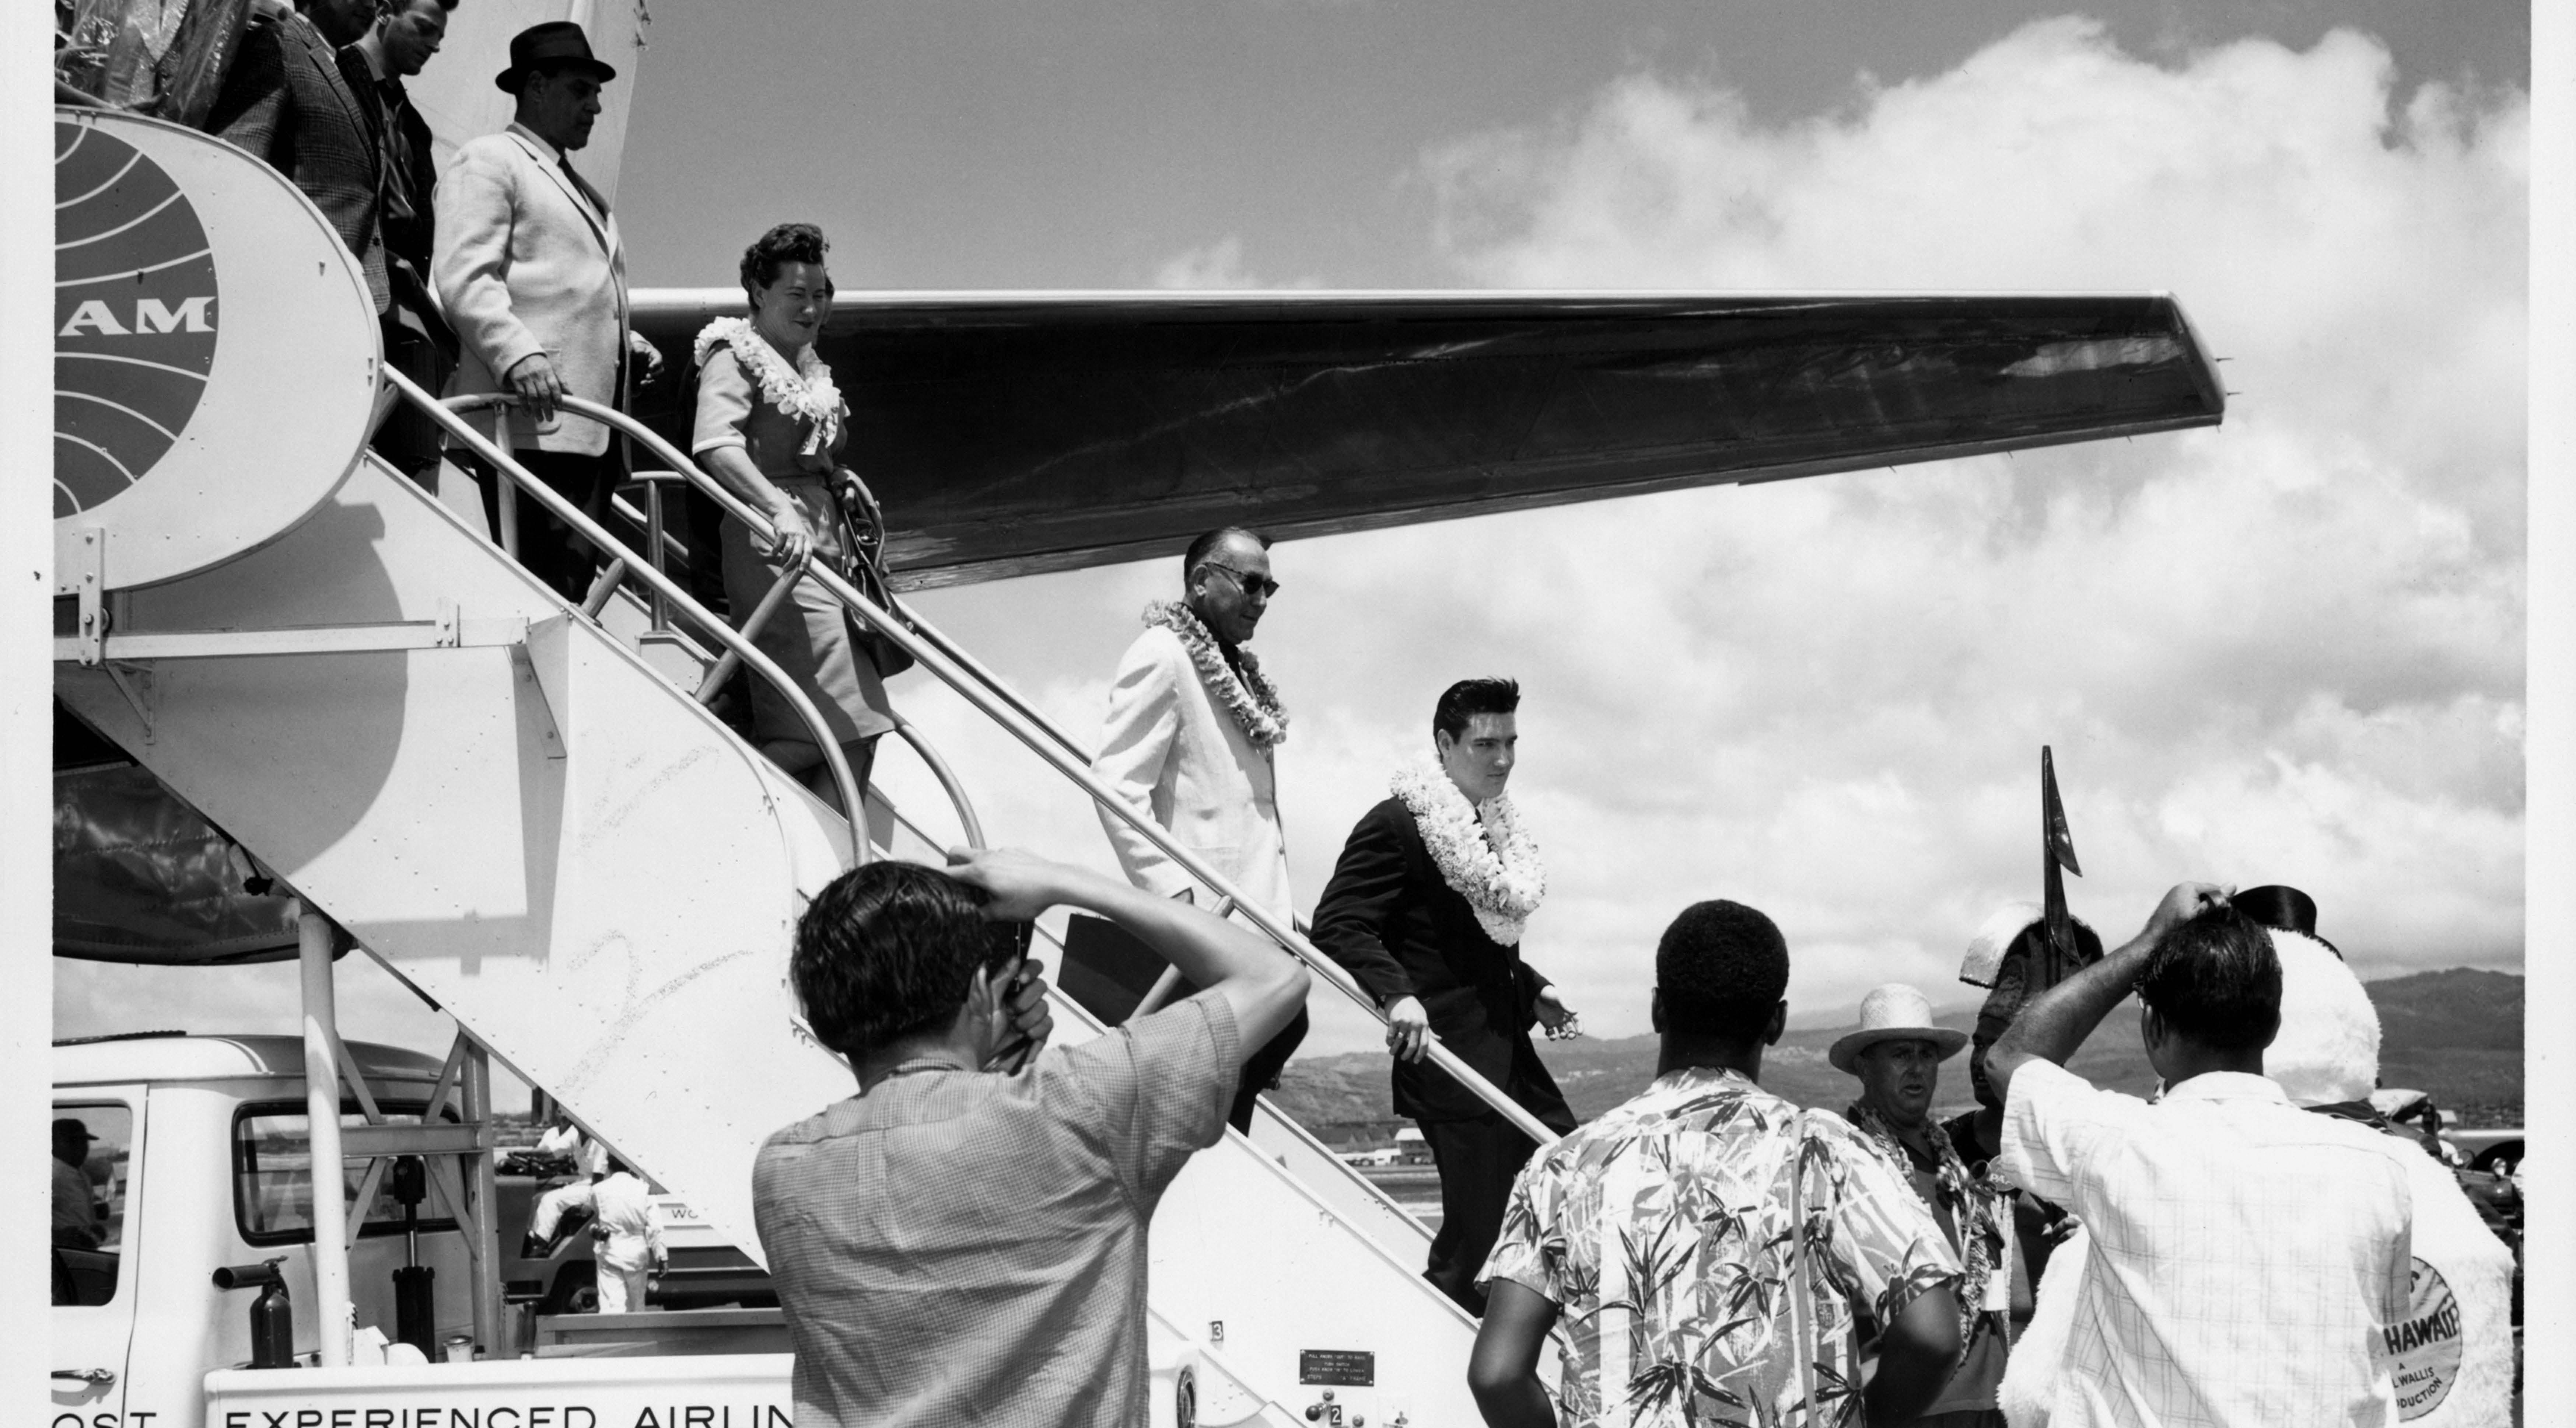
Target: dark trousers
[[548, 549], [1477, 1161], [1261, 1071], [408, 440]]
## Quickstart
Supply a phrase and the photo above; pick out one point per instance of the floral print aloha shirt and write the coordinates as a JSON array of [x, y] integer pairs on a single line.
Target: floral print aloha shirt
[[1662, 1233]]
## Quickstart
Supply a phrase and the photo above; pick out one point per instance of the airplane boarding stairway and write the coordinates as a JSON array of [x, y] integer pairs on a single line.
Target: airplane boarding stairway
[[522, 818]]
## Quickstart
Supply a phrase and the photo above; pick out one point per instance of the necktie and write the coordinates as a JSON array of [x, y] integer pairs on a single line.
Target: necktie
[[396, 151], [582, 186]]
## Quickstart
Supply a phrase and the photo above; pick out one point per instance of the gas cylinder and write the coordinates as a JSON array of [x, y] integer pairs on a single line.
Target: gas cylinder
[[272, 1314]]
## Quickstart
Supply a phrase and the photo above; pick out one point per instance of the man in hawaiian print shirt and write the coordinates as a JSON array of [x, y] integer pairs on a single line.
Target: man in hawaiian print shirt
[[1662, 1235]]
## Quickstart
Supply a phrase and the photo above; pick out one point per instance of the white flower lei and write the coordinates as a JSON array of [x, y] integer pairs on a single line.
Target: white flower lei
[[805, 392], [1503, 889], [1252, 699]]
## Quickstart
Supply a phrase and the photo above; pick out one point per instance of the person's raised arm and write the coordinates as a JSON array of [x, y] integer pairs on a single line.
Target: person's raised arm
[[2054, 1025], [1262, 985], [1915, 1357], [1502, 1370]]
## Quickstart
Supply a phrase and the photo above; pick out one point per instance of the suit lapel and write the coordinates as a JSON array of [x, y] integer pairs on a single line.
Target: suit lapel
[[327, 60], [600, 225]]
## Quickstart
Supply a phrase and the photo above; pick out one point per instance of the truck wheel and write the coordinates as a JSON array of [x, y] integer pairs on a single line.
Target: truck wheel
[[575, 1290]]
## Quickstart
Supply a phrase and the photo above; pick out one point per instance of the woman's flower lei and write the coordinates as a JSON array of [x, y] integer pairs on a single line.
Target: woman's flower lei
[[805, 391], [1251, 698], [1503, 887]]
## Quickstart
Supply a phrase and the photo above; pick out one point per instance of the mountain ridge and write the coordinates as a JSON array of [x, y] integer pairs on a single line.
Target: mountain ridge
[[2456, 1033]]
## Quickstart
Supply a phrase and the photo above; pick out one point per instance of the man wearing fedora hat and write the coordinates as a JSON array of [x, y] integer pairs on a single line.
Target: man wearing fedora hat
[[1897, 1052], [530, 269]]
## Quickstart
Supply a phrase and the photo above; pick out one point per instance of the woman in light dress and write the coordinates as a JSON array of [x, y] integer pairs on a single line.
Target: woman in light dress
[[770, 426]]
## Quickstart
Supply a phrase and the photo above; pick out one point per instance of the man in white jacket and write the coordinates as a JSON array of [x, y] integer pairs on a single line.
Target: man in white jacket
[[532, 276], [627, 1244], [1191, 740]]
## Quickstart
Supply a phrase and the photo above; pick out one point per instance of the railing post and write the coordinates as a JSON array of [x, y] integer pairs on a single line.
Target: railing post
[[331, 1306], [660, 604], [489, 1322]]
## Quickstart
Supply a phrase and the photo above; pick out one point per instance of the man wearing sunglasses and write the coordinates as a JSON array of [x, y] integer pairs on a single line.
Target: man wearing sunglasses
[[1193, 732]]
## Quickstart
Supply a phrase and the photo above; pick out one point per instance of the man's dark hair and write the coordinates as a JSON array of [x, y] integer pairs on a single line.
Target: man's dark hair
[[2215, 980], [1469, 697], [1721, 968], [787, 243], [1205, 546], [887, 950]]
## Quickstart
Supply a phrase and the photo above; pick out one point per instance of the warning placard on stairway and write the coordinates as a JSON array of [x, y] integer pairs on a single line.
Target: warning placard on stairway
[[1337, 1368]]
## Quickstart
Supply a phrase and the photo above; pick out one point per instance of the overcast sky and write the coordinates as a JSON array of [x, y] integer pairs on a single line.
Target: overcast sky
[[2290, 649]]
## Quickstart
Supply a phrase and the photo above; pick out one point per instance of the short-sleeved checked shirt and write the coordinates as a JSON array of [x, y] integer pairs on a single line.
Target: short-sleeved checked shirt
[[1662, 1233], [2246, 1254], [956, 1248]]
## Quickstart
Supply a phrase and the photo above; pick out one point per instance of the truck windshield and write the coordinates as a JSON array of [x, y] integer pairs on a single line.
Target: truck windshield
[[273, 1175]]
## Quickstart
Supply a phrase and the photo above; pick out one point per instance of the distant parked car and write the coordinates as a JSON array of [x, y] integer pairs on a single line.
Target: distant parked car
[[2497, 1151]]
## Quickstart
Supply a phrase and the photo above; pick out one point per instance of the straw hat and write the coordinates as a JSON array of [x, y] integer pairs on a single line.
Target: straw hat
[[1895, 1012]]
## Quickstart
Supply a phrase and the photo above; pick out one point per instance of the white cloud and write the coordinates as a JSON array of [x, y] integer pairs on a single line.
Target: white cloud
[[2286, 650], [1216, 266], [2289, 649]]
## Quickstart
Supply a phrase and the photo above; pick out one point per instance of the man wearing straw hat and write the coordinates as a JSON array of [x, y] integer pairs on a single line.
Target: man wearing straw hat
[[1897, 1053]]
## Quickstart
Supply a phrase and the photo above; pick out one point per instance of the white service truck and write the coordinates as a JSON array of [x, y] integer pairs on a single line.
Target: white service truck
[[198, 1161]]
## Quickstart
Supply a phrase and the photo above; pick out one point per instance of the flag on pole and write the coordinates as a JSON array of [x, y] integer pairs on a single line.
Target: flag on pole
[[2057, 850]]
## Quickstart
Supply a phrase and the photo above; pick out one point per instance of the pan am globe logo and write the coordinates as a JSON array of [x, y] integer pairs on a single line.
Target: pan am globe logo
[[134, 316]]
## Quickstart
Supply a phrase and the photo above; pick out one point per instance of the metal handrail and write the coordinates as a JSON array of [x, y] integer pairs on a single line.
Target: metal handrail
[[776, 595], [967, 822], [996, 701], [641, 520], [573, 516]]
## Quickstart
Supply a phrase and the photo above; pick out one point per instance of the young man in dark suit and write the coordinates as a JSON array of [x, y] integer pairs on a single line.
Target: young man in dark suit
[[1426, 908], [406, 35]]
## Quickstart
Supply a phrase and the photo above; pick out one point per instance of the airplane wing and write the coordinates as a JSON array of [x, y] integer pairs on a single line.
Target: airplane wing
[[1008, 434]]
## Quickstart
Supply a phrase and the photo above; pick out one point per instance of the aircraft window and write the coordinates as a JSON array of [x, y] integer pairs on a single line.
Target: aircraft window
[[91, 1146], [273, 1175]]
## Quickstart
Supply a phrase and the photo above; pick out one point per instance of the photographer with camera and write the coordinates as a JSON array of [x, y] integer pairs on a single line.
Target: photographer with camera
[[2246, 1255], [962, 1243]]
